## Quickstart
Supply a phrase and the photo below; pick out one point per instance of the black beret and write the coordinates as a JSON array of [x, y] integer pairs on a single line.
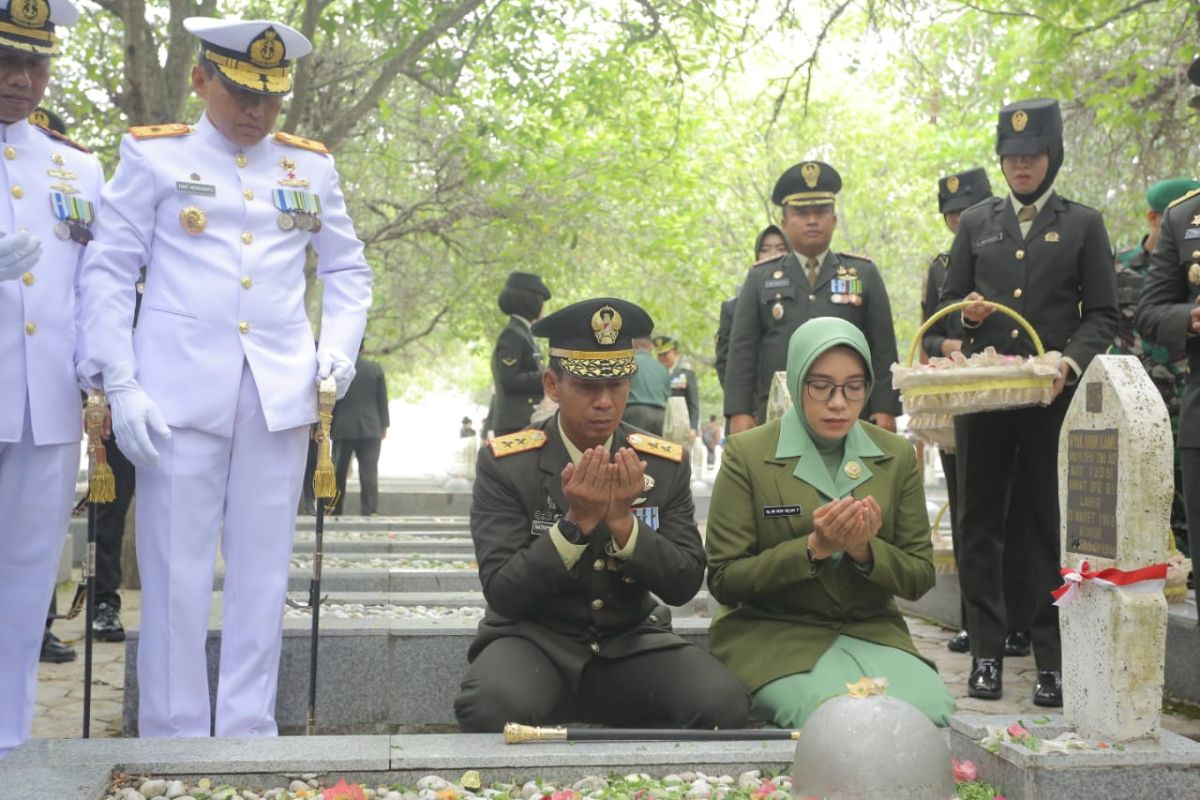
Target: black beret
[[527, 281]]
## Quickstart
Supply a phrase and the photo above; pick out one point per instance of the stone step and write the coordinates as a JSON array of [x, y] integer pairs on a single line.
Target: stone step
[[358, 542], [702, 605], [371, 677], [78, 769]]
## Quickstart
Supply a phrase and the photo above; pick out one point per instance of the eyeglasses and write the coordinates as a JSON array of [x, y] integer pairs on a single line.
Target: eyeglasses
[[822, 391]]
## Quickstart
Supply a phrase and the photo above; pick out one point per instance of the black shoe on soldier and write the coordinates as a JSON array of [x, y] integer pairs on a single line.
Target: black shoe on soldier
[[987, 678], [106, 626], [54, 651], [1017, 644], [959, 642], [1048, 689]]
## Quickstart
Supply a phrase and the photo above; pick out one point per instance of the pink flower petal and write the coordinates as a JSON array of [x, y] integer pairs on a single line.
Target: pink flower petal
[[964, 770], [1016, 731]]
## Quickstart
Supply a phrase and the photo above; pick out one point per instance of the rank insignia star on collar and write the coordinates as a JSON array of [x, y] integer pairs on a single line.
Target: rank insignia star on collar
[[1196, 220]]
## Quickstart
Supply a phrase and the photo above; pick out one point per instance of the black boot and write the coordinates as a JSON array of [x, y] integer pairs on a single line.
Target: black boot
[[987, 678], [106, 626], [54, 651], [1048, 689], [959, 642], [1016, 644]]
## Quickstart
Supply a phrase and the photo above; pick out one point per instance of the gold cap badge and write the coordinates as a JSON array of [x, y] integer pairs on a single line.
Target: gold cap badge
[[812, 173], [606, 323], [267, 49], [1019, 120], [952, 184], [30, 13]]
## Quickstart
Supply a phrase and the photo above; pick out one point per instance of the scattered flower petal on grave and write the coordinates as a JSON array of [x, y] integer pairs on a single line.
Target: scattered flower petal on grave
[[964, 770]]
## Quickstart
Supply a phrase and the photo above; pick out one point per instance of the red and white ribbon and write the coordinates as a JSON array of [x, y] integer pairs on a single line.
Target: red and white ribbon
[[1145, 579]]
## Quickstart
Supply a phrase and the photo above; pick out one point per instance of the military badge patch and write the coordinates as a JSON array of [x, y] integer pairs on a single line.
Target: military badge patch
[[1194, 274], [518, 442], [647, 515], [654, 446]]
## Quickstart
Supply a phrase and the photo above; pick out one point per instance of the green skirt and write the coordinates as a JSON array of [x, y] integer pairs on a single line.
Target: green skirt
[[788, 701]]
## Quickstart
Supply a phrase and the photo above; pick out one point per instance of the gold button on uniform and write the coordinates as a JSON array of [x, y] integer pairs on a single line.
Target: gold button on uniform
[[10, 153], [812, 297], [1020, 254], [18, 192], [241, 159], [31, 328], [244, 327], [1017, 293], [595, 647], [597, 604], [247, 237], [246, 282], [1015, 333], [598, 564], [27, 279], [248, 194], [628, 579]]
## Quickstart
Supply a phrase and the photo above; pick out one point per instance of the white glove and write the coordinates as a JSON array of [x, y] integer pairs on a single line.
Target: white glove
[[134, 415], [18, 254], [334, 362]]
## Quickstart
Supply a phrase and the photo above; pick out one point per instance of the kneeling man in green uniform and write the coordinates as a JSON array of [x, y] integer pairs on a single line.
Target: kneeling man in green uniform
[[576, 522]]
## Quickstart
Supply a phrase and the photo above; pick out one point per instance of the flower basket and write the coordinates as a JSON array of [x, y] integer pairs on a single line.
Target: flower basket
[[934, 393]]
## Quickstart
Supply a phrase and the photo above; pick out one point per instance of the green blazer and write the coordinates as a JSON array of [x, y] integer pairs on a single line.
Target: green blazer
[[778, 614]]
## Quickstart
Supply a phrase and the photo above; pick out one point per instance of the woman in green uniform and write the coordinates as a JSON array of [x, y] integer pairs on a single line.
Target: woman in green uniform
[[817, 521]]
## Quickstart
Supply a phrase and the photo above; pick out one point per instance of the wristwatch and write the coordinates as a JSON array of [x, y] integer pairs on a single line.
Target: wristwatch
[[571, 531]]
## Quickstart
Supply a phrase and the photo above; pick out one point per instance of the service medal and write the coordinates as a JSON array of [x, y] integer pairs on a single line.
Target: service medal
[[777, 311], [62, 230], [193, 220], [286, 222], [836, 298], [856, 299], [303, 222], [315, 226], [1194, 274], [853, 470], [777, 274]]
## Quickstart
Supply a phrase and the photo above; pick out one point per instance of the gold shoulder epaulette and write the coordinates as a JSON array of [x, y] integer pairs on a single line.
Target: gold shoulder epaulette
[[654, 446], [159, 131], [299, 141], [1179, 200], [53, 134], [518, 442], [854, 255]]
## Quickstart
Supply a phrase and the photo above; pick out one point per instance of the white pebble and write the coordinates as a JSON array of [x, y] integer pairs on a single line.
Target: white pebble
[[688, 777], [725, 780], [592, 783], [175, 789], [432, 782], [133, 794], [749, 780], [699, 790], [297, 786], [393, 796]]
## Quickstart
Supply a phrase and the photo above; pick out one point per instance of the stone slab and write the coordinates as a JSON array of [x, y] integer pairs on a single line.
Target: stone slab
[[702, 605], [371, 678], [62, 782], [457, 546], [1139, 771]]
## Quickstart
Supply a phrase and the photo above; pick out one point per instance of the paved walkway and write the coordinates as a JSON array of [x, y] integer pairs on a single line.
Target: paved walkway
[[60, 687]]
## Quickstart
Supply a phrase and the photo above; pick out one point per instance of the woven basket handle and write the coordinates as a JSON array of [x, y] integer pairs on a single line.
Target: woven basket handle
[[959, 306]]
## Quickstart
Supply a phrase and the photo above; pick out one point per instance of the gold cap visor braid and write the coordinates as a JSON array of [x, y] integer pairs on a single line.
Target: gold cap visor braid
[[809, 199], [29, 40], [596, 366], [264, 80]]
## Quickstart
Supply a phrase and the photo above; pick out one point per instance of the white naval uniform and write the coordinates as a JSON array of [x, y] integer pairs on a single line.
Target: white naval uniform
[[40, 404], [225, 350]]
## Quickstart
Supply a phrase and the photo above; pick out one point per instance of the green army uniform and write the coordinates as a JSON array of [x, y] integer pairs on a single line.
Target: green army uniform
[[1169, 294], [648, 394], [580, 630], [683, 381], [776, 298]]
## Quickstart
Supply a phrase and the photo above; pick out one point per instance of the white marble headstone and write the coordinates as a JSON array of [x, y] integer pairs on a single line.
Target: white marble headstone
[[1115, 487]]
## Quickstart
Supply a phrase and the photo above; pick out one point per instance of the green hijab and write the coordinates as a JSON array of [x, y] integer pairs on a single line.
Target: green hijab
[[833, 467]]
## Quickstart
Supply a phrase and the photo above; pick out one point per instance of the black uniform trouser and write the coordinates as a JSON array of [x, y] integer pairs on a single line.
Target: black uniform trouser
[[367, 453], [648, 418], [1189, 462], [110, 527], [1018, 603], [994, 447], [513, 680]]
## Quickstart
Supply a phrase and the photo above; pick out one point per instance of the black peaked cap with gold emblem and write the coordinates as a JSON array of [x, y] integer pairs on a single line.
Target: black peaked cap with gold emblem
[[252, 54], [594, 338], [27, 26], [963, 190], [809, 183], [1029, 127], [529, 282], [663, 344]]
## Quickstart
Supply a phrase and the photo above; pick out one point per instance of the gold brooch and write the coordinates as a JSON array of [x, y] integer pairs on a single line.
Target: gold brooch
[[1194, 274], [193, 220], [853, 470]]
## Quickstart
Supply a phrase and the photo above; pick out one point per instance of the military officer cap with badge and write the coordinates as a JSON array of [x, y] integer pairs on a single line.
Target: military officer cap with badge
[[1029, 127], [593, 340], [253, 54], [809, 183], [28, 26], [962, 190], [528, 282], [1163, 193], [663, 344]]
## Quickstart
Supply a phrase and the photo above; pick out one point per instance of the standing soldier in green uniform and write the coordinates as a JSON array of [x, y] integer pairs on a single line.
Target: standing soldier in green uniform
[[811, 281], [683, 380], [576, 522], [1168, 314], [649, 390], [1049, 259], [516, 359], [957, 193], [1168, 369]]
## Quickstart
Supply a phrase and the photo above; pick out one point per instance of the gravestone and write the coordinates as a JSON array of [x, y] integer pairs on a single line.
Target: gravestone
[[1115, 488]]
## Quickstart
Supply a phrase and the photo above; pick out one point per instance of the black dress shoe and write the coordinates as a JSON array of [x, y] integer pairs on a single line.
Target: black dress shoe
[[106, 626], [959, 642], [54, 651], [1048, 689], [987, 678], [1016, 644]]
